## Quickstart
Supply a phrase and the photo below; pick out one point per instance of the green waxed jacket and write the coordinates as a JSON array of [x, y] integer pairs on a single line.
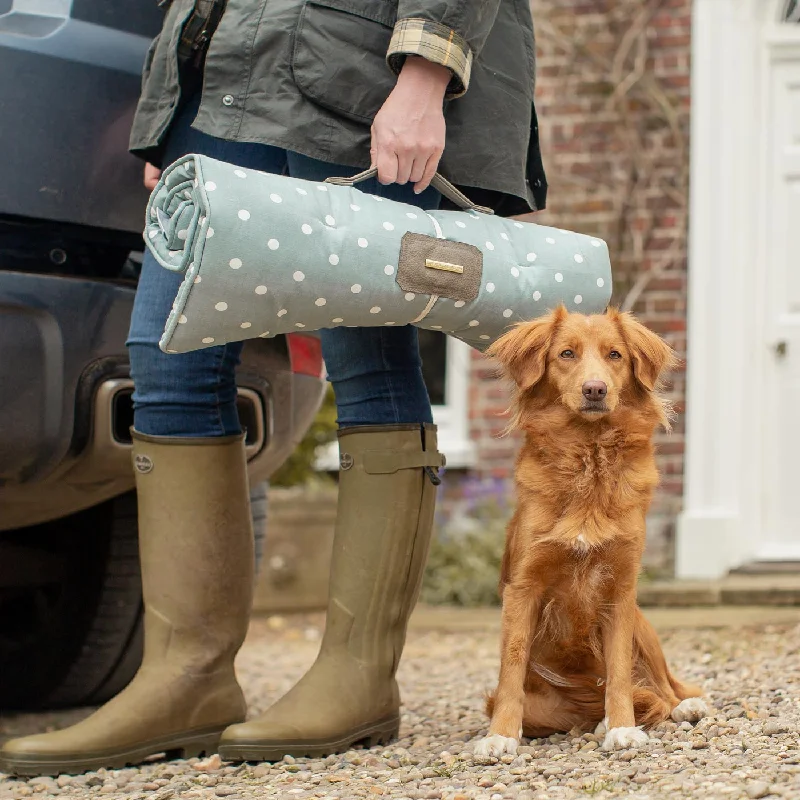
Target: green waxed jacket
[[310, 75]]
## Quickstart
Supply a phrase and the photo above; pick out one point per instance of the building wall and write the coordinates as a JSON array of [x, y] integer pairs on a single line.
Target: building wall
[[613, 105]]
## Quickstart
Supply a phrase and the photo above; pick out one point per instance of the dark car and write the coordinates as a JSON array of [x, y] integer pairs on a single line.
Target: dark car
[[71, 215]]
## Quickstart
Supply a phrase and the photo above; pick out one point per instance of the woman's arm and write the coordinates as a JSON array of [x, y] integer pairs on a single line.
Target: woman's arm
[[447, 32], [408, 132], [432, 49]]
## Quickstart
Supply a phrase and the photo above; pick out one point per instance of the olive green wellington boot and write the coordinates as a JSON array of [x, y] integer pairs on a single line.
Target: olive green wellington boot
[[383, 528], [196, 548]]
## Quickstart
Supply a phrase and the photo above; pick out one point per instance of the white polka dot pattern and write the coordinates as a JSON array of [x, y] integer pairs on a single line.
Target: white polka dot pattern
[[280, 255]]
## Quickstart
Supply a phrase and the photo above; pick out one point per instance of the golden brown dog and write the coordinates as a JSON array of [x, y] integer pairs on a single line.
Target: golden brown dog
[[576, 650]]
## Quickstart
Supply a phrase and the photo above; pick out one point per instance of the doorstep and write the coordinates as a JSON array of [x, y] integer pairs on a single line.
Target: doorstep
[[733, 590], [444, 620]]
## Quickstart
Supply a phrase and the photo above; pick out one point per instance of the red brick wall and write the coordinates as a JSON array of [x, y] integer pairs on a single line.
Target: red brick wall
[[617, 166]]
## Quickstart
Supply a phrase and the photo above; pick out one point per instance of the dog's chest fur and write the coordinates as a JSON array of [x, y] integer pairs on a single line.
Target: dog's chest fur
[[586, 489]]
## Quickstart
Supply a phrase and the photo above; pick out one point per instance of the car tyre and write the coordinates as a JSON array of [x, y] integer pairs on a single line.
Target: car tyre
[[76, 639]]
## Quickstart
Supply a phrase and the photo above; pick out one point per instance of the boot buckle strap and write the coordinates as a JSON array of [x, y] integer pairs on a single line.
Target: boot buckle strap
[[377, 462]]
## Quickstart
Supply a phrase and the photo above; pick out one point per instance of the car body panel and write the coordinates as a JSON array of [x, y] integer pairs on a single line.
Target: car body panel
[[70, 77]]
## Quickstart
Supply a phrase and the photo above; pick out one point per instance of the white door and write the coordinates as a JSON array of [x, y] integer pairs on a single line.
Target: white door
[[780, 533]]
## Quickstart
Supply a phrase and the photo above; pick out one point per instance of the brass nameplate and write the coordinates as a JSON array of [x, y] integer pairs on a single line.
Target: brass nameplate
[[444, 266]]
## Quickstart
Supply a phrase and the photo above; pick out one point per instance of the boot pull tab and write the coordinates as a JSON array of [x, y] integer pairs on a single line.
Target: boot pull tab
[[433, 475]]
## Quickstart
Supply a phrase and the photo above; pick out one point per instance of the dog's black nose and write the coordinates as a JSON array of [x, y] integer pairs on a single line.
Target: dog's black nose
[[594, 390]]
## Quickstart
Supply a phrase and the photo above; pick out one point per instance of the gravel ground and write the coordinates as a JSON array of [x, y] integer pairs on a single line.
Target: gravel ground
[[748, 748]]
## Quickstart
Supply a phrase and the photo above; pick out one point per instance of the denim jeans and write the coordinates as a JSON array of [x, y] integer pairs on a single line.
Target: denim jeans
[[376, 372]]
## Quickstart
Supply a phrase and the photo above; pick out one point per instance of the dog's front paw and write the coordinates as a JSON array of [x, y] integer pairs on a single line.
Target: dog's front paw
[[692, 709], [495, 746], [625, 739]]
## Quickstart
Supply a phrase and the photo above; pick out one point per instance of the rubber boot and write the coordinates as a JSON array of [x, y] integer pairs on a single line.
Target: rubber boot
[[196, 550], [387, 488]]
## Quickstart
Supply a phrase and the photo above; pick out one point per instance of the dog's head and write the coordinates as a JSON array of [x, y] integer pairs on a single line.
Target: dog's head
[[592, 365]]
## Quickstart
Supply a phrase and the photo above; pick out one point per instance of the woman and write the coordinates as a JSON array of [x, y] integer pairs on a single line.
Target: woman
[[312, 88]]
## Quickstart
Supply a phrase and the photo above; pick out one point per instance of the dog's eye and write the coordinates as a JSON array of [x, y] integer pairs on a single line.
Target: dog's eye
[[567, 354], [615, 354]]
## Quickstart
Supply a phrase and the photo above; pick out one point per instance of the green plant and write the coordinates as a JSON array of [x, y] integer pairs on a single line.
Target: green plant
[[464, 570], [299, 467]]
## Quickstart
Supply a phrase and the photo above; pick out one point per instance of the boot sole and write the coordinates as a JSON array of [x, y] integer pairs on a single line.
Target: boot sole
[[187, 745], [373, 735]]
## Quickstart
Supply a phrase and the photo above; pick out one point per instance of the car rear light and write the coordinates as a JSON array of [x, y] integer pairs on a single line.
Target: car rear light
[[305, 355]]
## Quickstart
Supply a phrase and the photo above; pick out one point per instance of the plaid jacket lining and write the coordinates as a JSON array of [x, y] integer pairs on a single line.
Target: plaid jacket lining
[[434, 42]]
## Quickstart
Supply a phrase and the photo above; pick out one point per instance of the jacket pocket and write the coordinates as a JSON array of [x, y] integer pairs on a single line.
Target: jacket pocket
[[339, 55]]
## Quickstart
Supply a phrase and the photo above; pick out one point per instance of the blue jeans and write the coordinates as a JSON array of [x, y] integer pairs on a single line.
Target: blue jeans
[[376, 372]]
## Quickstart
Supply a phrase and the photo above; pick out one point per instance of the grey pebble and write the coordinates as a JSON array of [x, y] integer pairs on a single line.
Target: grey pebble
[[773, 727], [551, 772], [757, 789]]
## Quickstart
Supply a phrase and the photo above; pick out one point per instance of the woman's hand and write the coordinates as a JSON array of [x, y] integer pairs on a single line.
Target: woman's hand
[[151, 176], [408, 132]]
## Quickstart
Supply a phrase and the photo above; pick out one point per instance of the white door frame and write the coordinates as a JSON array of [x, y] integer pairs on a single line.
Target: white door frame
[[732, 44]]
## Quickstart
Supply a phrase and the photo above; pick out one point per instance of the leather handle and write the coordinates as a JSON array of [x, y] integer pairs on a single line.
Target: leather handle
[[439, 182]]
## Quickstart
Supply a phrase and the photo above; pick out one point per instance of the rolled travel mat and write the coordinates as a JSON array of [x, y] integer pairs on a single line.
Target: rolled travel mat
[[266, 254]]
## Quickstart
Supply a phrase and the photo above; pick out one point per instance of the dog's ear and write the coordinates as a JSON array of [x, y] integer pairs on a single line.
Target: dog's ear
[[523, 350], [652, 357]]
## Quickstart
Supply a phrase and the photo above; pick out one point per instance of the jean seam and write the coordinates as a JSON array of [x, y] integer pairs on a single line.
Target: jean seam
[[217, 385], [387, 372]]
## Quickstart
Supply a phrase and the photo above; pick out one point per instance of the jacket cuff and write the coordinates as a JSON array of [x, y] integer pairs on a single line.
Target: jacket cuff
[[434, 42]]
